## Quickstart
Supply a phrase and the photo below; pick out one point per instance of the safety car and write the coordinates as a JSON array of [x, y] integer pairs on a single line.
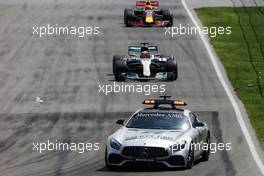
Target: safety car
[[161, 135]]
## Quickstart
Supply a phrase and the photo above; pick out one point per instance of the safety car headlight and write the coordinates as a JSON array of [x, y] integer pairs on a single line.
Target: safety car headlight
[[114, 144], [178, 146]]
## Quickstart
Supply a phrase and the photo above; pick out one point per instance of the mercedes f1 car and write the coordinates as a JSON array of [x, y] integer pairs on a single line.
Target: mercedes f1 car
[[162, 135], [147, 13], [144, 62]]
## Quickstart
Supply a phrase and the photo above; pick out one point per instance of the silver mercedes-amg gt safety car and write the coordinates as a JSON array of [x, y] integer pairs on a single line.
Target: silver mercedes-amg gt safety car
[[162, 135]]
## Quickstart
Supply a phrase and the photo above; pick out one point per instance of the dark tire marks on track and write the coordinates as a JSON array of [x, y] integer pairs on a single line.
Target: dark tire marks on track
[[258, 77], [217, 132]]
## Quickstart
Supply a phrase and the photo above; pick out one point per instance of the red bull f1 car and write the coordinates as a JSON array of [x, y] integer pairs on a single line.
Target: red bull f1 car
[[147, 14]]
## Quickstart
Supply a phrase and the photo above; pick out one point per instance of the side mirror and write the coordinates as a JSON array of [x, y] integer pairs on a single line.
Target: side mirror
[[199, 124], [120, 122]]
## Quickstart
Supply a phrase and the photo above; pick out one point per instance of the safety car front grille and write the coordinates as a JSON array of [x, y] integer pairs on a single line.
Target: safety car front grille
[[144, 152]]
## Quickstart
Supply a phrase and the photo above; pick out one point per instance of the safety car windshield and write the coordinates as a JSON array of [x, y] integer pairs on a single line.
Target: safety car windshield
[[167, 121]]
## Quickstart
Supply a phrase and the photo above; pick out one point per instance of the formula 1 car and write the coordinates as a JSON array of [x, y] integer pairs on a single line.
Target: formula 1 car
[[143, 62], [164, 136], [147, 13]]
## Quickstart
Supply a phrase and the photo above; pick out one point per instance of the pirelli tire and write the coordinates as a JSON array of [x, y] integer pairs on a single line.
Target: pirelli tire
[[115, 58], [172, 69], [129, 16], [120, 68], [167, 16]]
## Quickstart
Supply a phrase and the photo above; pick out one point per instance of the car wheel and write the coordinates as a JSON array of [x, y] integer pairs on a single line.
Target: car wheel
[[190, 158], [206, 153], [115, 58], [106, 162], [109, 167], [118, 71], [172, 69], [128, 16], [172, 76], [168, 17]]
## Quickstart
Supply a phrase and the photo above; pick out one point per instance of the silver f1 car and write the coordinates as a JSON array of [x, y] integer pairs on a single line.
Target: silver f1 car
[[159, 136], [144, 62]]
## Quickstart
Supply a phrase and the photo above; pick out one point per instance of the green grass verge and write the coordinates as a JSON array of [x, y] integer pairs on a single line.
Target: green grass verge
[[242, 54]]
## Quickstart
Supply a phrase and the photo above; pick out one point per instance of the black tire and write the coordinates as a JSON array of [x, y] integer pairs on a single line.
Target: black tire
[[115, 58], [190, 158], [172, 68], [106, 163], [168, 17], [128, 16], [107, 166], [206, 153], [119, 69]]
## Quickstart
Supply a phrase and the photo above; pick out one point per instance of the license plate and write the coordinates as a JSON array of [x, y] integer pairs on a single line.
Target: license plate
[[145, 160]]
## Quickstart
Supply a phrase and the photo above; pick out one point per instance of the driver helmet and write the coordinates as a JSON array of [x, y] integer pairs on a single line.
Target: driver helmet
[[148, 6], [144, 53]]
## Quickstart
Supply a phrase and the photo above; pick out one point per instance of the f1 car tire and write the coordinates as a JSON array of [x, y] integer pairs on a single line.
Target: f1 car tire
[[172, 69], [168, 17], [115, 58], [128, 16], [190, 158], [120, 67], [206, 153]]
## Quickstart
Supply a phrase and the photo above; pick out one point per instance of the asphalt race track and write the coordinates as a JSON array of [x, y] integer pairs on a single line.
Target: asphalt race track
[[65, 72]]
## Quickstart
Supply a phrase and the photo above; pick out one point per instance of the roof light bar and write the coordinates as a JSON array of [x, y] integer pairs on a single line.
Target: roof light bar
[[164, 101]]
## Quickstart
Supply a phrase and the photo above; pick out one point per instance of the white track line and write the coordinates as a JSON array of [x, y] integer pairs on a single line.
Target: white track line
[[229, 94]]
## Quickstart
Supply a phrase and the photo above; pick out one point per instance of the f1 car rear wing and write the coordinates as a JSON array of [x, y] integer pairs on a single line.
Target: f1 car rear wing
[[164, 101], [143, 3]]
